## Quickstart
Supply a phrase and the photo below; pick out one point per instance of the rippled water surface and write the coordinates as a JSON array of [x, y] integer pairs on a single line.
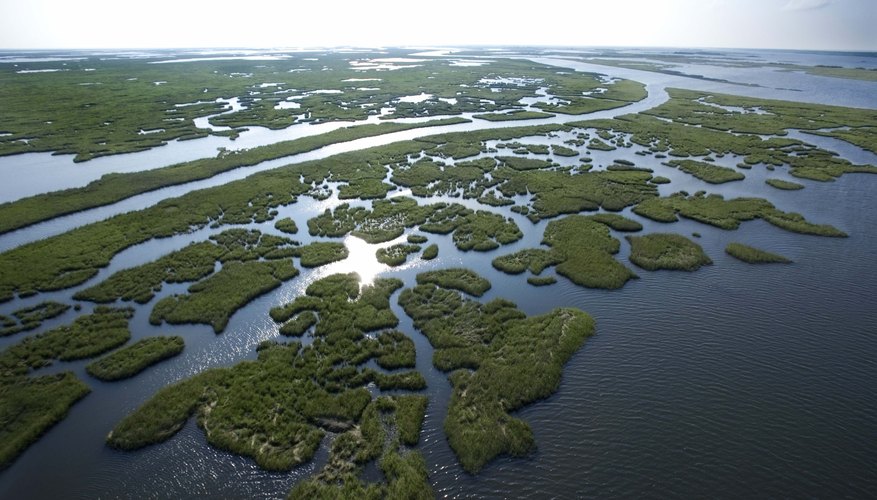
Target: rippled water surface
[[734, 381]]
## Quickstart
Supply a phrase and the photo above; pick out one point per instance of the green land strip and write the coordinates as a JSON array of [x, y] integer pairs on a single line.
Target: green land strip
[[754, 255], [716, 211], [706, 172], [513, 115], [784, 185], [135, 358], [112, 188]]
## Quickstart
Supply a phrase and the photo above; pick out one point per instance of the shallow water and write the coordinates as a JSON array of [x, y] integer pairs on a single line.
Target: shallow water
[[734, 381]]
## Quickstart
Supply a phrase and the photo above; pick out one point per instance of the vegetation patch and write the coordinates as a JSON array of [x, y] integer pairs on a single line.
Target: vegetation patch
[[192, 263], [784, 185], [754, 255], [115, 187], [135, 358], [430, 252], [213, 300], [728, 214], [707, 172], [321, 253], [666, 251], [396, 255], [389, 424], [277, 408], [286, 225], [30, 405], [518, 114], [464, 280], [581, 248], [498, 360], [541, 280], [30, 318]]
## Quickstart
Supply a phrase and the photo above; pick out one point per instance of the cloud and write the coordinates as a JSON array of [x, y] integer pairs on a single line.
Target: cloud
[[806, 4]]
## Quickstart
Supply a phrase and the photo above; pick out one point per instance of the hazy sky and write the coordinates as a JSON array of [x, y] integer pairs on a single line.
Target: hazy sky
[[791, 24]]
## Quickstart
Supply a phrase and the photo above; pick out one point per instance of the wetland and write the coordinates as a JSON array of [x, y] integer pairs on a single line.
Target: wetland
[[431, 279]]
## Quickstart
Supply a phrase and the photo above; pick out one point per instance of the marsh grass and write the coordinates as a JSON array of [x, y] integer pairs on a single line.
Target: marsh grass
[[131, 360], [754, 255], [498, 360], [715, 210], [666, 251], [30, 405], [464, 280], [277, 408], [783, 184]]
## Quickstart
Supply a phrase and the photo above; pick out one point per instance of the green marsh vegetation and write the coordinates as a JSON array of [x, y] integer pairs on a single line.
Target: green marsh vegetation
[[286, 225], [252, 264], [417, 239], [277, 408], [513, 115], [29, 318], [131, 360], [563, 151], [430, 252], [390, 424], [387, 220], [700, 129], [115, 187], [712, 174], [213, 300], [464, 280], [666, 251], [541, 280], [110, 110], [716, 211], [396, 255], [754, 255], [498, 360], [706, 110], [30, 405], [783, 184], [198, 260], [581, 248]]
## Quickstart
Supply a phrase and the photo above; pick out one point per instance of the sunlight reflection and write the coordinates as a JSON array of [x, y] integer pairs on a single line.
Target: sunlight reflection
[[362, 261]]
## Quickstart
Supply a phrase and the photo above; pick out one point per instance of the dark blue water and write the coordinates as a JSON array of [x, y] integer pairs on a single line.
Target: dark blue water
[[733, 381]]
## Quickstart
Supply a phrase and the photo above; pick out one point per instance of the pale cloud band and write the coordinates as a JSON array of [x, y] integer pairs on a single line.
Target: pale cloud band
[[805, 4]]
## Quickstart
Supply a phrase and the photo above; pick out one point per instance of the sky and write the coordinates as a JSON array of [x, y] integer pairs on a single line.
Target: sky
[[783, 24]]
